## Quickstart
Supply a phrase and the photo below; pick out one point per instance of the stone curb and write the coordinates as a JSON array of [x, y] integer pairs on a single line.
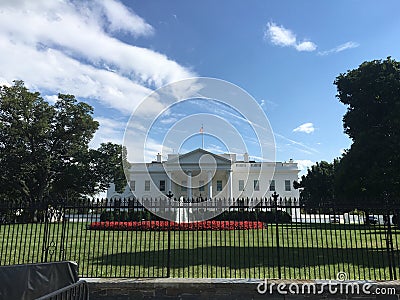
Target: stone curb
[[222, 288]]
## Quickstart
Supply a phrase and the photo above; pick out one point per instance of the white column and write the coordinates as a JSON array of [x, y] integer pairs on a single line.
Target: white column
[[189, 185], [209, 184], [230, 185], [169, 182]]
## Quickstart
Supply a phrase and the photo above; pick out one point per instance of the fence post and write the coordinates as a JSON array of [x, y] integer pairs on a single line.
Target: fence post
[[46, 234], [275, 197], [169, 195], [63, 240], [389, 248], [169, 251]]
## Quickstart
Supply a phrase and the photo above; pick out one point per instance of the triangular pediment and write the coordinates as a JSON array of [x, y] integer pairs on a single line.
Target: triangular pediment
[[193, 158]]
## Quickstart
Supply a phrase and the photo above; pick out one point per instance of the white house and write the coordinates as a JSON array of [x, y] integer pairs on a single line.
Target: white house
[[202, 174]]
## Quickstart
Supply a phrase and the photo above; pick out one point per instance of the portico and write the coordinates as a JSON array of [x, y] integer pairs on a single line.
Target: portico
[[194, 175]]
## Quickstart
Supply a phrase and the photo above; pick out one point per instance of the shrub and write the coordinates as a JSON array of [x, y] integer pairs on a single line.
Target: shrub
[[106, 216], [263, 216]]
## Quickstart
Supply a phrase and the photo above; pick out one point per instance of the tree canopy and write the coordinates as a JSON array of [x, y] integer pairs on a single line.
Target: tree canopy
[[370, 169], [44, 151], [318, 185], [368, 173]]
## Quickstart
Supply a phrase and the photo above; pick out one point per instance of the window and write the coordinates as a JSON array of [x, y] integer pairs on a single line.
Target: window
[[132, 185], [272, 185], [184, 186], [241, 185], [219, 185], [287, 185], [256, 185], [147, 185], [201, 186], [162, 185]]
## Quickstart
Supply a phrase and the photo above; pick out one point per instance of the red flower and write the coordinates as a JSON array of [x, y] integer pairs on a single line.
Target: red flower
[[169, 225]]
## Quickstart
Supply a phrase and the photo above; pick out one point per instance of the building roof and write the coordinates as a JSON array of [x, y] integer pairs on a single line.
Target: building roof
[[197, 153]]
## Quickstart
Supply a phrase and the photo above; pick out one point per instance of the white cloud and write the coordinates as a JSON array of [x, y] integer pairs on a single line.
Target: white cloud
[[5, 82], [68, 47], [51, 98], [340, 48], [306, 128], [122, 19], [110, 130], [53, 71], [303, 164], [306, 46], [281, 36], [152, 148]]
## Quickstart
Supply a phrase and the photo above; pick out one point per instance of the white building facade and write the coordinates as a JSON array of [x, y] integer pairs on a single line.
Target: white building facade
[[200, 174]]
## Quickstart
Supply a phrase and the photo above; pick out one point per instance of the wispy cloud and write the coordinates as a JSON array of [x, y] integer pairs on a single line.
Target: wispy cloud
[[283, 37], [215, 149], [300, 146], [268, 104], [71, 47], [121, 19], [168, 120], [306, 128], [340, 48], [110, 130]]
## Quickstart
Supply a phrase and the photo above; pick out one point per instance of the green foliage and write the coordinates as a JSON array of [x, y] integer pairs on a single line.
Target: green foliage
[[44, 151], [396, 219], [121, 216], [43, 146], [145, 215], [106, 216], [111, 161], [370, 169], [317, 186], [263, 216]]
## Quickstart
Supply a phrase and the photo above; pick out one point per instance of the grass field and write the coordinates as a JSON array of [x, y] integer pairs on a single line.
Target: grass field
[[304, 251]]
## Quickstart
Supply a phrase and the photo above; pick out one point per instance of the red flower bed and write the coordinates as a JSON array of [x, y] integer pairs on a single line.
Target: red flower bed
[[167, 225]]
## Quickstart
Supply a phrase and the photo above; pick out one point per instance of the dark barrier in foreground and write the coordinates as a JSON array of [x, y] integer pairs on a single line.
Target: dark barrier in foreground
[[57, 280], [291, 242]]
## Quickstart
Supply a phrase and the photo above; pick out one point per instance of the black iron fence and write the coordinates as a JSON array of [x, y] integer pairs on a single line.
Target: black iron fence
[[270, 238], [76, 291]]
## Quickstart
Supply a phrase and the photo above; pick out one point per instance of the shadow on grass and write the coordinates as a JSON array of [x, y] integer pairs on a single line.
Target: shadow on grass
[[303, 256], [251, 257], [336, 226]]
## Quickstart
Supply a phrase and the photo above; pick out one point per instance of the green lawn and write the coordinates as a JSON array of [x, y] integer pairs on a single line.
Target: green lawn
[[306, 251]]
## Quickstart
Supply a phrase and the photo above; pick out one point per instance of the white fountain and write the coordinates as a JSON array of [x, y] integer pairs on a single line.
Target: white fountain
[[183, 212]]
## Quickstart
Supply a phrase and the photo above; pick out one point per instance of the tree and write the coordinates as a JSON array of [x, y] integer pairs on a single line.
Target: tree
[[370, 169], [112, 158], [318, 185], [44, 153]]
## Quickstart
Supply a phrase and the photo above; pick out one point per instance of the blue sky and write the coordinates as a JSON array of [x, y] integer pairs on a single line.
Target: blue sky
[[286, 54]]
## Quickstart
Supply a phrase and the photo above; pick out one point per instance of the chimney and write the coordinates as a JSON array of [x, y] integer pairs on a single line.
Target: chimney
[[246, 157], [158, 157]]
